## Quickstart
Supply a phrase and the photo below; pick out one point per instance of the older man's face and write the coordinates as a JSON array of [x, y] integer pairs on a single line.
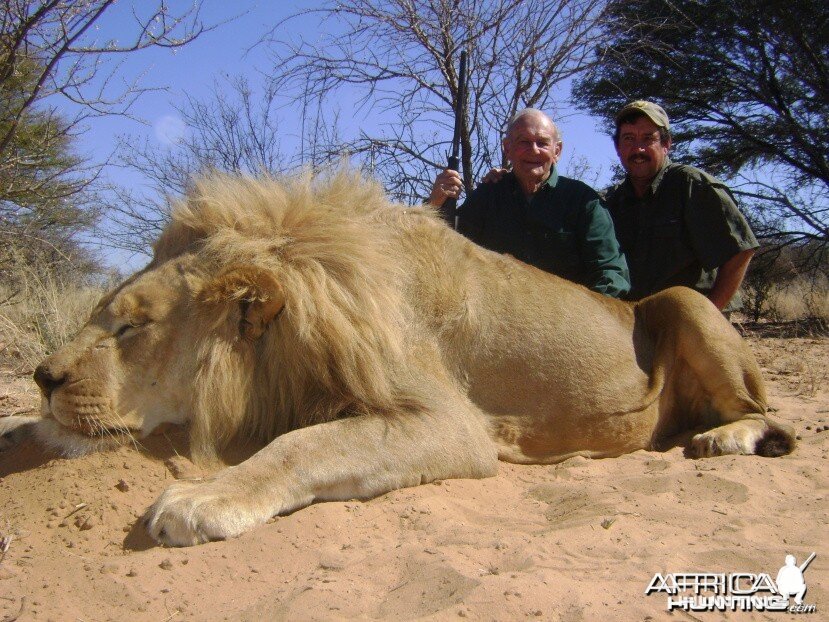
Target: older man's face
[[640, 149], [533, 147]]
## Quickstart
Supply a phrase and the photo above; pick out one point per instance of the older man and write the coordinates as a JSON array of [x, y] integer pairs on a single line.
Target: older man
[[536, 215], [676, 224]]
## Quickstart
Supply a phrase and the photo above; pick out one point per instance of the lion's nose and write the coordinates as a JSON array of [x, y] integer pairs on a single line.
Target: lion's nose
[[47, 379]]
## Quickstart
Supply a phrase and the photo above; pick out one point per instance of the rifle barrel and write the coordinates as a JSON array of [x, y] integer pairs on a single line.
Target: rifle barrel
[[450, 205], [456, 135], [807, 562]]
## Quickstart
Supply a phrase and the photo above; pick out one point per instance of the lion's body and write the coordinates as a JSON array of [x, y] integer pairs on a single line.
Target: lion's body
[[373, 348]]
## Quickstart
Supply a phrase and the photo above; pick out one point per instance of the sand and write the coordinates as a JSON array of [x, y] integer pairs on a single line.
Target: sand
[[580, 540]]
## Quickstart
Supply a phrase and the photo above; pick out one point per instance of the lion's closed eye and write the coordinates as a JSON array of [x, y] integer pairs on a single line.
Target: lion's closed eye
[[130, 327]]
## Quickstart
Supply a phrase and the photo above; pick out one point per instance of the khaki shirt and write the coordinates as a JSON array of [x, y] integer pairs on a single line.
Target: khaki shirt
[[680, 232]]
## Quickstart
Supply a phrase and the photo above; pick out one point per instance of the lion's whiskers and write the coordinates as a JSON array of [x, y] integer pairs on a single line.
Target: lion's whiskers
[[124, 431]]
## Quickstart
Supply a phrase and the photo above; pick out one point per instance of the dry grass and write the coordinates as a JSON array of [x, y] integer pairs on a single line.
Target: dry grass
[[41, 314], [797, 300]]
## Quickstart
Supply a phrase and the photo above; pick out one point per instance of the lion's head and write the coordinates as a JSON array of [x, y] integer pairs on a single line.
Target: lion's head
[[261, 296]]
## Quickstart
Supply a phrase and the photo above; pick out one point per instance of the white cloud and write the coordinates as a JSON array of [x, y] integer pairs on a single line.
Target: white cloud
[[169, 129]]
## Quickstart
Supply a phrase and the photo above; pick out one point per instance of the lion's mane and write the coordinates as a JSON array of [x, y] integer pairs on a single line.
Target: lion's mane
[[339, 347]]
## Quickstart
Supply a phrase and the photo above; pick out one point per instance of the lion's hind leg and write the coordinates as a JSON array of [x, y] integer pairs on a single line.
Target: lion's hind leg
[[735, 404], [715, 378], [733, 389]]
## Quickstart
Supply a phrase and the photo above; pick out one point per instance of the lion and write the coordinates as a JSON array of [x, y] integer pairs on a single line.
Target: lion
[[370, 347]]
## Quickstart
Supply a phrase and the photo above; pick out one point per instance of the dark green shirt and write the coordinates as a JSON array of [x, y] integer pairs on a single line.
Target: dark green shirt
[[685, 226], [563, 228]]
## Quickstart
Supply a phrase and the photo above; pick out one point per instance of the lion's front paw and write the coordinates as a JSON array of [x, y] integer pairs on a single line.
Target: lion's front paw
[[194, 512]]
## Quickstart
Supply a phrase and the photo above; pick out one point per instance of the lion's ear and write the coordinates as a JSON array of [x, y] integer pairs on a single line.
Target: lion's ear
[[258, 293]]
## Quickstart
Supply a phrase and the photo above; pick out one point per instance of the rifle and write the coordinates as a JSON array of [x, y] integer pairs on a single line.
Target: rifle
[[449, 206], [807, 562]]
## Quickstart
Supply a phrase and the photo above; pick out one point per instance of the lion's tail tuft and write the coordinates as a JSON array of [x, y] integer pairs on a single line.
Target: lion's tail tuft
[[775, 442]]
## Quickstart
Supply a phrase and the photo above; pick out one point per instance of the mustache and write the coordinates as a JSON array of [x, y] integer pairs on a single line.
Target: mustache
[[638, 156]]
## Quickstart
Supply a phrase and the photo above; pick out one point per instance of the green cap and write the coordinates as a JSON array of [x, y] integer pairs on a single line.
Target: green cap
[[654, 112]]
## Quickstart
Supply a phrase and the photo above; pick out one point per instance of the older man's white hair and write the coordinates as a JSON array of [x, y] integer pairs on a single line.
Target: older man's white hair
[[531, 112]]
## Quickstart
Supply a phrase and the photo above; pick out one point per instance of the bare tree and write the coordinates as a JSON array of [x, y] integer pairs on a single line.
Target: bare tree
[[401, 58], [53, 49], [236, 131], [60, 37]]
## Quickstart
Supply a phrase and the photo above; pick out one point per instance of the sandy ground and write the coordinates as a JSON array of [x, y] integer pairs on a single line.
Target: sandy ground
[[576, 541]]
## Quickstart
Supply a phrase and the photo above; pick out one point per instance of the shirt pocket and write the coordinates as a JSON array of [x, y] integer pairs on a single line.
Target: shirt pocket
[[667, 230], [669, 250]]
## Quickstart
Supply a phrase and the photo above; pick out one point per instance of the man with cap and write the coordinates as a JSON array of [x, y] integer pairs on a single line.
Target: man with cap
[[534, 214], [676, 224]]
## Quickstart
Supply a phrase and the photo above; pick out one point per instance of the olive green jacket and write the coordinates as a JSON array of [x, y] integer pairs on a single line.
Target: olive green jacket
[[680, 232]]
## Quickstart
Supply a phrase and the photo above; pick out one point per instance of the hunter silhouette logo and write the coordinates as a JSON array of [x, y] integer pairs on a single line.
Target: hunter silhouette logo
[[790, 580], [736, 591]]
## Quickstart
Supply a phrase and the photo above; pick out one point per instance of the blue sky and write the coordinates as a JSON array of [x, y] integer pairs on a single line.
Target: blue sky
[[230, 49]]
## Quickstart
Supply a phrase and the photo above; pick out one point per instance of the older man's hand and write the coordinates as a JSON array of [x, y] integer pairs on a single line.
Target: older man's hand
[[494, 175], [448, 185]]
